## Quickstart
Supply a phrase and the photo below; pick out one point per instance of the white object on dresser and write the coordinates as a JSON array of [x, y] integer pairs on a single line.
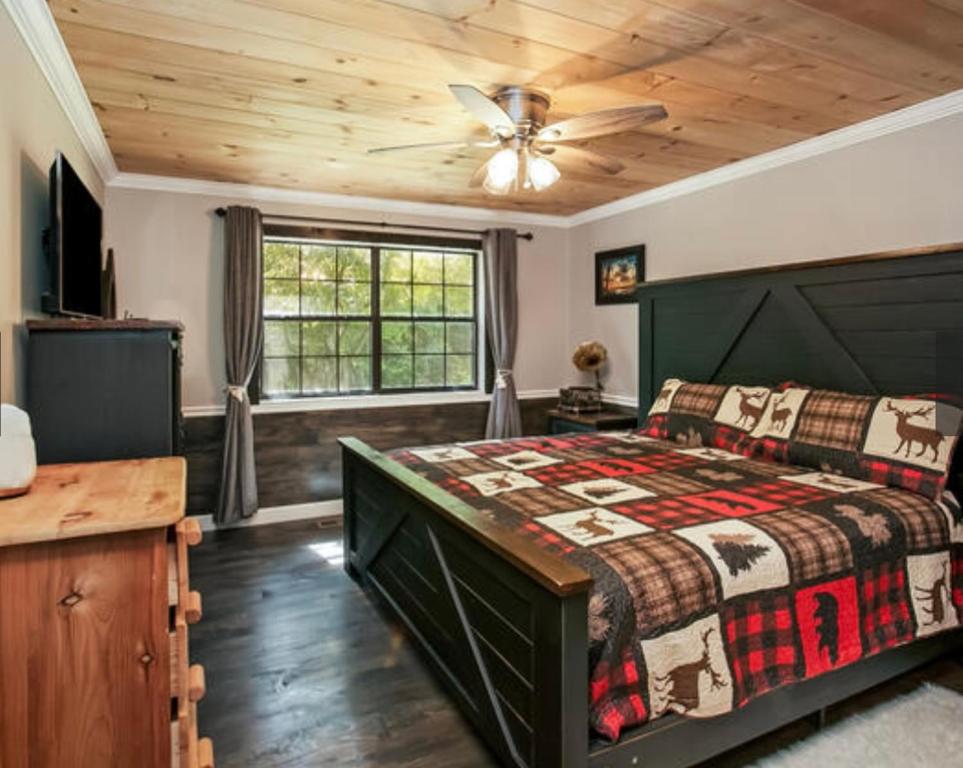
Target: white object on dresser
[[18, 455]]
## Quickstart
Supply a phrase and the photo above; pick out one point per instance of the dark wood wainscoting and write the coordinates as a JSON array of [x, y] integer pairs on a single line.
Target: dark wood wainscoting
[[297, 454]]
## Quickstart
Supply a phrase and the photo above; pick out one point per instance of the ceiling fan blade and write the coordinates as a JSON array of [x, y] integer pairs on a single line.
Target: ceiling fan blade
[[577, 159], [478, 177], [434, 145], [486, 110], [603, 122]]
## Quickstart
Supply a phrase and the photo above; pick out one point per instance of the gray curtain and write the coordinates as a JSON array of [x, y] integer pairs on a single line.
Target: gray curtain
[[501, 321], [243, 327]]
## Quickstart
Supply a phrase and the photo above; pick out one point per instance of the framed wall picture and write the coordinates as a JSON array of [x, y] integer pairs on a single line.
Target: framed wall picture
[[617, 273]]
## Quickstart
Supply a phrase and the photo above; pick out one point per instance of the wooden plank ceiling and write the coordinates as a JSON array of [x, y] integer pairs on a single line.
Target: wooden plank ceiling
[[292, 93]]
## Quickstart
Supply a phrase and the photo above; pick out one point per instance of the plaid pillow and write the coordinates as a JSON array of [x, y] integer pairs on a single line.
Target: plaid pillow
[[903, 442], [683, 412], [713, 415]]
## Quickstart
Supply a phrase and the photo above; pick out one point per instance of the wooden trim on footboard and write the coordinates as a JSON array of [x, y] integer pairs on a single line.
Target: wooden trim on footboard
[[502, 623]]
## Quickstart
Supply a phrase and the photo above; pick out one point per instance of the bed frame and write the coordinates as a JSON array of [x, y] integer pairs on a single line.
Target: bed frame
[[504, 624]]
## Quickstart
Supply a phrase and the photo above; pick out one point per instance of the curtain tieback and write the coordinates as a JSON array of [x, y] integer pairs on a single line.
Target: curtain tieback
[[502, 377], [237, 391]]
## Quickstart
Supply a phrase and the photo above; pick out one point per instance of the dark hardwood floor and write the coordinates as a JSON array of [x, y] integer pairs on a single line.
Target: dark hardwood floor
[[304, 670]]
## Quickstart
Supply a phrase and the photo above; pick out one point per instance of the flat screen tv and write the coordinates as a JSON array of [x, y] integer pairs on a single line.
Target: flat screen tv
[[73, 245]]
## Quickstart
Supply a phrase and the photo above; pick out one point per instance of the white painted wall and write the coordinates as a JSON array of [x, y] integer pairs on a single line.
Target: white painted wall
[[168, 250], [32, 128], [900, 190]]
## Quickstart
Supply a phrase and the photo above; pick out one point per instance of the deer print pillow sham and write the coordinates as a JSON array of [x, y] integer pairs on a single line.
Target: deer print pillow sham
[[903, 442], [716, 577], [706, 414]]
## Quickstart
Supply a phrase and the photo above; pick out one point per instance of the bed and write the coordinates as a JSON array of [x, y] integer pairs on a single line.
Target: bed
[[509, 617]]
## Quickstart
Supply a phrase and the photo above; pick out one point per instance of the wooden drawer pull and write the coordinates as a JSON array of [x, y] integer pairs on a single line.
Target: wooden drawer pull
[[192, 611], [192, 531], [195, 683], [205, 753], [172, 590]]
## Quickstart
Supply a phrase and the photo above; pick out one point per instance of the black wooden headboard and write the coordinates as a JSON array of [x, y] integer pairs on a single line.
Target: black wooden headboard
[[890, 324]]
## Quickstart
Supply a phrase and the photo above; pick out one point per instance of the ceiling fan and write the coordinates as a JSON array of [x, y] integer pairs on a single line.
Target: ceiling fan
[[515, 117]]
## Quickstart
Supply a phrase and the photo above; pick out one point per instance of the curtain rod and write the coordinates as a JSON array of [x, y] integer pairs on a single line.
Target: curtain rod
[[383, 224]]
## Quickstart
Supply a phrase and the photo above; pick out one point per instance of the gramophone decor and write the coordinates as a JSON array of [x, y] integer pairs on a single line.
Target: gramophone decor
[[589, 356]]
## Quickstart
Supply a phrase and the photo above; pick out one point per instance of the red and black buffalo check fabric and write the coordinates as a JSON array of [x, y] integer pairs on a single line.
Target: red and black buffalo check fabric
[[716, 577], [759, 635]]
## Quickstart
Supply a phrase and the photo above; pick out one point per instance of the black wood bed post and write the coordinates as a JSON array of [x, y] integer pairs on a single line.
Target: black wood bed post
[[502, 624]]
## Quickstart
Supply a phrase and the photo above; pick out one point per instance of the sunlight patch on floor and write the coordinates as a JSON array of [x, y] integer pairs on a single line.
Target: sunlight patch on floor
[[332, 552]]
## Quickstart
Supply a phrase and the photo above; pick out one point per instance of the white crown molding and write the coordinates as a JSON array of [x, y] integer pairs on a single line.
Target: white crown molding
[[38, 29], [909, 117], [225, 189]]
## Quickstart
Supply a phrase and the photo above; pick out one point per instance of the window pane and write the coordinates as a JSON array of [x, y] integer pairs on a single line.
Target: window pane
[[318, 262], [281, 339], [319, 374], [458, 268], [396, 371], [355, 373], [355, 338], [396, 266], [429, 337], [427, 267], [317, 298], [280, 375], [319, 338], [395, 299], [280, 259], [429, 370], [395, 337], [460, 370], [354, 299], [458, 302], [280, 297], [460, 338], [354, 263], [429, 300]]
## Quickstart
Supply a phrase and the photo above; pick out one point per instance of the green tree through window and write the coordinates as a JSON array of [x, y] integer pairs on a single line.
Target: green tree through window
[[345, 318]]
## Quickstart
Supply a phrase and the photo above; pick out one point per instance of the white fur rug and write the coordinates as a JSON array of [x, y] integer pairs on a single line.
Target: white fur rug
[[922, 729]]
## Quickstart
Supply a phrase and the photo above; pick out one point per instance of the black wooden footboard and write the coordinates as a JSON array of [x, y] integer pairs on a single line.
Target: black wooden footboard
[[505, 627], [502, 623]]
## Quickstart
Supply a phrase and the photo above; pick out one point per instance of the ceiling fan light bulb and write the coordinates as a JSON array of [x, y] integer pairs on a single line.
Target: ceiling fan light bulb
[[502, 171], [542, 173]]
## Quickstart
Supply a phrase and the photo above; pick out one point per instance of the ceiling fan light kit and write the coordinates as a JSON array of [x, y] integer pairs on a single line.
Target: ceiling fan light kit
[[515, 118], [502, 171], [542, 173]]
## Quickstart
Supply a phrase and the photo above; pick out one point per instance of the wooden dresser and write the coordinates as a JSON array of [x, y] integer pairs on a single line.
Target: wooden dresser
[[95, 606]]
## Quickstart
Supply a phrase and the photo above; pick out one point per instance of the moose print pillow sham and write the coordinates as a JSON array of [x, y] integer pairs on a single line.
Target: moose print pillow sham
[[717, 577], [904, 442]]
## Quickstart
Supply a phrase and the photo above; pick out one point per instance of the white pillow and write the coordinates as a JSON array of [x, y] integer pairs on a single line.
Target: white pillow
[[18, 456]]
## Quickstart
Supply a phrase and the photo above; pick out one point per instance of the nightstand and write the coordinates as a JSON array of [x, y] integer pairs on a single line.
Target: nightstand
[[563, 421]]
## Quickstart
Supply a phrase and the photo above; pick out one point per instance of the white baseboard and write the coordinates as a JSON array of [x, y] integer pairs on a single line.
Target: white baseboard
[[285, 514], [630, 401]]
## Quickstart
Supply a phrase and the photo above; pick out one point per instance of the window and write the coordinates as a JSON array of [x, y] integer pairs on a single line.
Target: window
[[348, 318]]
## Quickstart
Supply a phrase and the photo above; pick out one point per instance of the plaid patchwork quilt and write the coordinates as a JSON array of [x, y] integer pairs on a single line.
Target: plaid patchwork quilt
[[717, 577]]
